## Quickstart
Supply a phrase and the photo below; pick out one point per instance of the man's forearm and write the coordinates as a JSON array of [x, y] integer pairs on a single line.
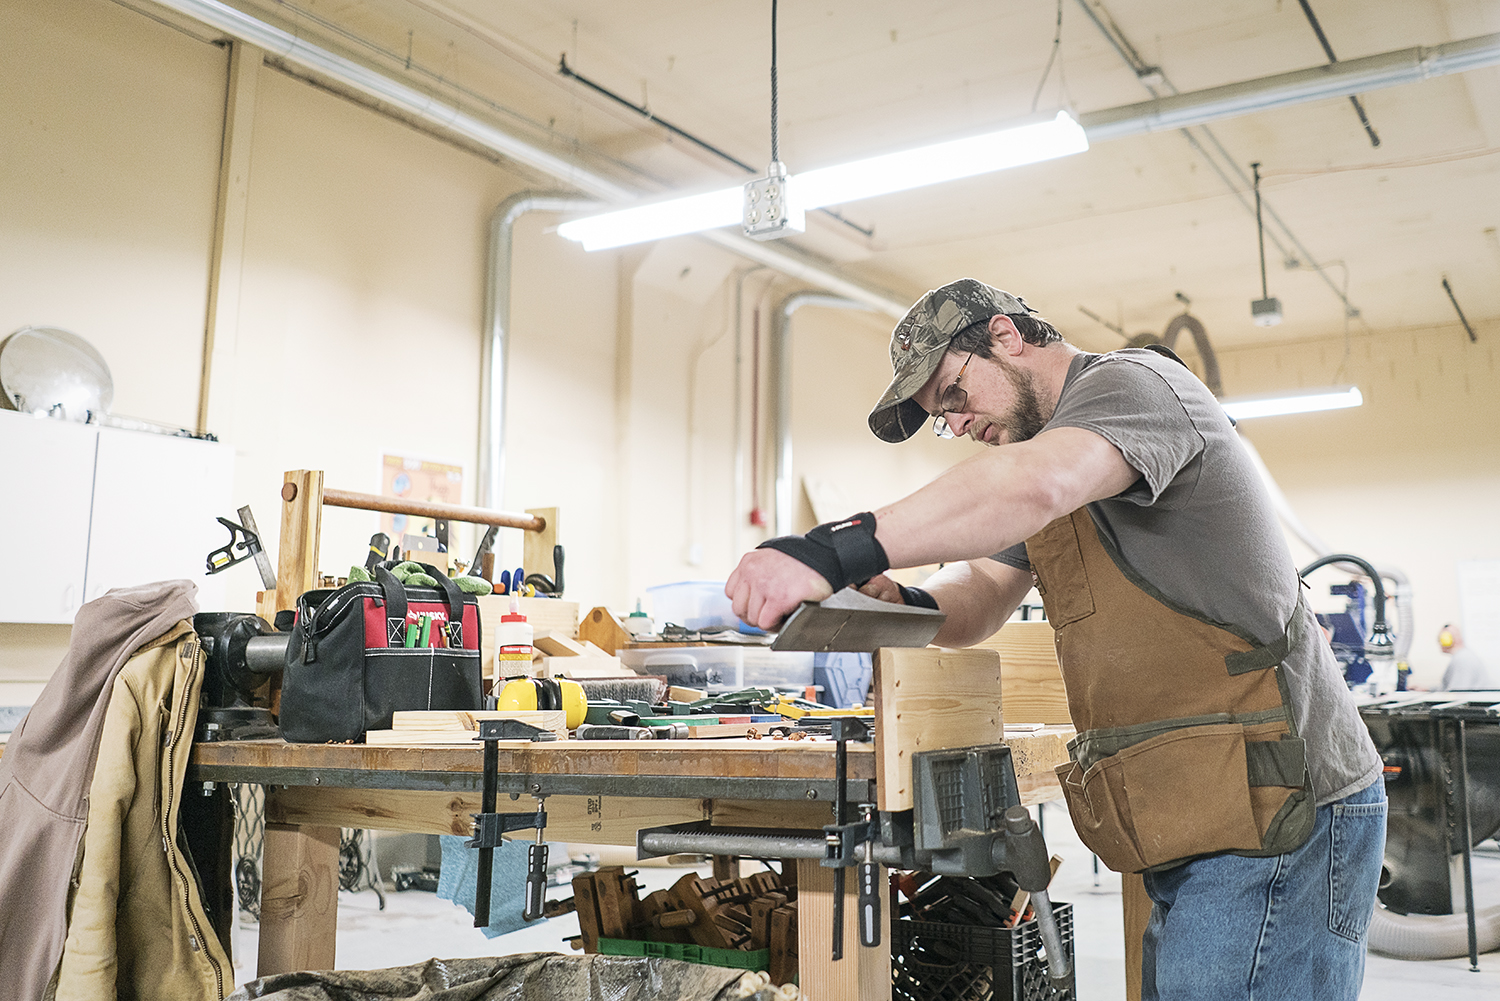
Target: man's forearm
[[978, 597], [1003, 496]]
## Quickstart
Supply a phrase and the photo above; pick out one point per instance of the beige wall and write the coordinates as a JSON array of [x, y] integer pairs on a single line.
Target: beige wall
[[1410, 480], [358, 333], [360, 298]]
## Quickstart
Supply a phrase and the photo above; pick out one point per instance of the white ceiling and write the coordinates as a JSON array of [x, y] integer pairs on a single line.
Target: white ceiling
[[1119, 229]]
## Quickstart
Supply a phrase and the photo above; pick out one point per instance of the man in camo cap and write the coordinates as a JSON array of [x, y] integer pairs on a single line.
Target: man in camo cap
[[1218, 752], [920, 341]]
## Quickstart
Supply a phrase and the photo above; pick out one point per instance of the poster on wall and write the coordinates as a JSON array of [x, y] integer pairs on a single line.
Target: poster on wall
[[1479, 604], [418, 480]]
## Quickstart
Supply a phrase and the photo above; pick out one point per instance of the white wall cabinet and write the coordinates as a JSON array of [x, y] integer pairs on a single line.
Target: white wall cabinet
[[85, 509]]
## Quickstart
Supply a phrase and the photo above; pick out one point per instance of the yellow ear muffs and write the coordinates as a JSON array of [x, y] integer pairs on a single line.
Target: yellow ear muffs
[[527, 694]]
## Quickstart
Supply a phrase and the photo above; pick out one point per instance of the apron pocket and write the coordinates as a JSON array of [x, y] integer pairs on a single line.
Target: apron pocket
[[1189, 793], [1101, 812]]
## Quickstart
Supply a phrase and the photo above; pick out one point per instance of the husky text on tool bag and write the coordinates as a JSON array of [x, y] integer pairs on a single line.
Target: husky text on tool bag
[[349, 666]]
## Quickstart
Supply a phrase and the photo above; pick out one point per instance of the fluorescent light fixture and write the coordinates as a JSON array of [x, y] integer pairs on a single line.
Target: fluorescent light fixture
[[945, 161], [877, 175], [656, 220], [1300, 402]]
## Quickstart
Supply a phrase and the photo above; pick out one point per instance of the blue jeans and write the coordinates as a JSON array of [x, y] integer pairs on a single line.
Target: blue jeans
[[1292, 926]]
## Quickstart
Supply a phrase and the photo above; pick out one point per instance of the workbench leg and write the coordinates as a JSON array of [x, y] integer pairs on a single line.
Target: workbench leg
[[299, 899], [863, 974], [1137, 903]]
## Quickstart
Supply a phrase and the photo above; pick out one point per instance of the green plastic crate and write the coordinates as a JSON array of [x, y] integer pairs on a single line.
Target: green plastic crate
[[734, 959]]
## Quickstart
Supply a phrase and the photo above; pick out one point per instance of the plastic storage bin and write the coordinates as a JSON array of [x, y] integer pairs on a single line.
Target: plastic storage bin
[[692, 604], [942, 962], [723, 667]]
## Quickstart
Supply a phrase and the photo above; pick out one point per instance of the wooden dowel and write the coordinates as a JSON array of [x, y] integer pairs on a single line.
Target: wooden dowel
[[423, 509]]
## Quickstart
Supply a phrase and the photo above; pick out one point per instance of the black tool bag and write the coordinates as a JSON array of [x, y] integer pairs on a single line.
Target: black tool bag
[[348, 670]]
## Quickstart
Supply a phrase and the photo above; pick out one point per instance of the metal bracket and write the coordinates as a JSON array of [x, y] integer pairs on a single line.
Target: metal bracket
[[490, 828], [512, 729]]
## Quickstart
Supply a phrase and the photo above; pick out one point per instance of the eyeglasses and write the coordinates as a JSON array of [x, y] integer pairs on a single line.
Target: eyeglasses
[[952, 401]]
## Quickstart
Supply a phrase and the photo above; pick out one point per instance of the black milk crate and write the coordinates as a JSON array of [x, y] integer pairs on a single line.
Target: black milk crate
[[931, 961]]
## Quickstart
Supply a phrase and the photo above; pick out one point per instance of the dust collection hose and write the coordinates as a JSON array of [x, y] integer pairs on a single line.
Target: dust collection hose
[[1380, 633]]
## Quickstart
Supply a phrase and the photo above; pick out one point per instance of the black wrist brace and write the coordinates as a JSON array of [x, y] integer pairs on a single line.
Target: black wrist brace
[[844, 552], [917, 597]]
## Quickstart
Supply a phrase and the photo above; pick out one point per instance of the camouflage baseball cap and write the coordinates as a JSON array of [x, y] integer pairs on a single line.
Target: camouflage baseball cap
[[918, 344]]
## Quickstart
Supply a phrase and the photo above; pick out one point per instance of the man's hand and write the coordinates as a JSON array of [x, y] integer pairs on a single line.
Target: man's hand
[[768, 585], [882, 587]]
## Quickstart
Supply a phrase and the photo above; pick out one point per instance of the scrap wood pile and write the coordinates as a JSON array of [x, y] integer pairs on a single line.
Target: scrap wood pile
[[985, 901], [745, 914]]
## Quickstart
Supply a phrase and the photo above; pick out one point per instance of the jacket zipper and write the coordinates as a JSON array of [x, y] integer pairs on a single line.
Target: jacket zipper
[[168, 843]]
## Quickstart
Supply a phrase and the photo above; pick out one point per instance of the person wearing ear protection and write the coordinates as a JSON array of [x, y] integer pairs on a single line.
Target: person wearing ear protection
[[1467, 671]]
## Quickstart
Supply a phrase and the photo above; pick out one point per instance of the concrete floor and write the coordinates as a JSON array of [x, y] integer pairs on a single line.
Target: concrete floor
[[416, 926]]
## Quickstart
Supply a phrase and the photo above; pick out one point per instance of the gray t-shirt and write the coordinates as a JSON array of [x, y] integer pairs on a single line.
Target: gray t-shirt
[[1198, 526], [1466, 672]]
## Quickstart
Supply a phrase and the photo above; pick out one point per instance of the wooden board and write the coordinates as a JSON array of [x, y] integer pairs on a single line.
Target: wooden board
[[604, 820], [464, 724], [1035, 757], [1030, 680], [536, 547], [301, 526], [298, 897], [794, 815], [929, 699], [863, 973]]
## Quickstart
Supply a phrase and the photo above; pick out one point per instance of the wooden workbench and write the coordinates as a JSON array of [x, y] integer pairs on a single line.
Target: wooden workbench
[[598, 792]]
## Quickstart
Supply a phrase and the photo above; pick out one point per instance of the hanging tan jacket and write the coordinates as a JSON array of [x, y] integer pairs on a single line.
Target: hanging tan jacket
[[1186, 743], [96, 900], [137, 927]]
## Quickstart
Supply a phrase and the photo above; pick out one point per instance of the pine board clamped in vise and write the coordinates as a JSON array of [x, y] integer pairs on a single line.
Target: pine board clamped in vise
[[930, 699]]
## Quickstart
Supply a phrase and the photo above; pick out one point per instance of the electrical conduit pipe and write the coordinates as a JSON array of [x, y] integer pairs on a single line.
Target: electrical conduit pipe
[[781, 354]]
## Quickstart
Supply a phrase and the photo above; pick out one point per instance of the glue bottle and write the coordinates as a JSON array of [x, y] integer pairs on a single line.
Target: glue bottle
[[513, 642], [638, 623]]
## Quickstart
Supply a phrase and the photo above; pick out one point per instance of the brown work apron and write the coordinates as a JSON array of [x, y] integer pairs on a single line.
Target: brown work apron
[[1186, 744]]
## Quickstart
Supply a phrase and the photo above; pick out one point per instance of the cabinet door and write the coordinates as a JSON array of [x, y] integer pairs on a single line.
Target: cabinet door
[[155, 500], [46, 488]]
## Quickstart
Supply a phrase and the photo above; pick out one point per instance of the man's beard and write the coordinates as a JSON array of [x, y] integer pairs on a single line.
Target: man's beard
[[1024, 420]]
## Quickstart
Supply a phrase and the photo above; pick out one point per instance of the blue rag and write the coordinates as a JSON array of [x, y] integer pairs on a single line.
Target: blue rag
[[459, 880]]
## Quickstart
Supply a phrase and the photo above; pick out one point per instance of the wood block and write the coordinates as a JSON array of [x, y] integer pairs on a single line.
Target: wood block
[[783, 944], [536, 547], [588, 911], [862, 973], [555, 645], [930, 699], [298, 898], [678, 694], [601, 628], [1030, 680], [585, 667]]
